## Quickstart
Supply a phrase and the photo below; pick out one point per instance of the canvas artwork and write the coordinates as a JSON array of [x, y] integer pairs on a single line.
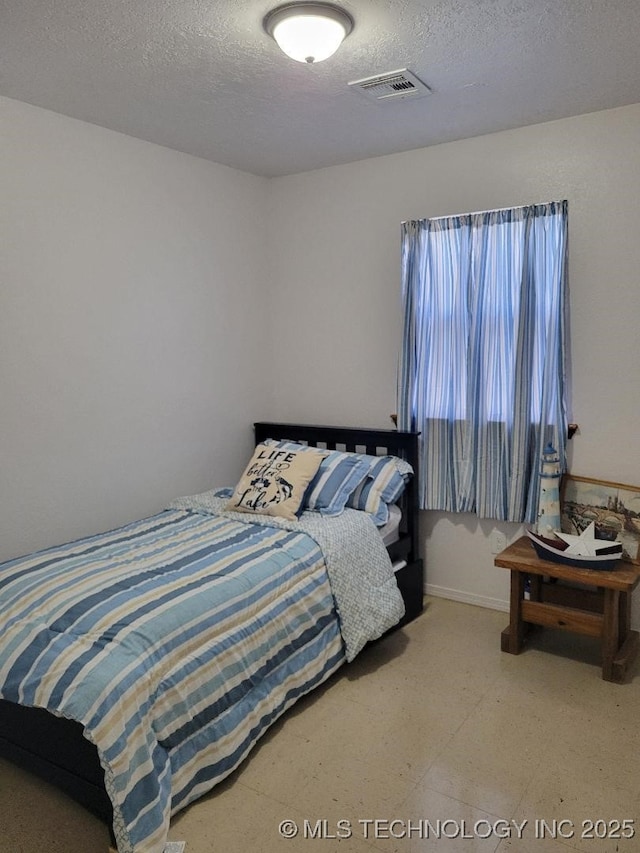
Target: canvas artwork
[[613, 508]]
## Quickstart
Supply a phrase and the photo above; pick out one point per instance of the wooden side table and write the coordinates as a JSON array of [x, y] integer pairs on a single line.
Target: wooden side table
[[599, 607]]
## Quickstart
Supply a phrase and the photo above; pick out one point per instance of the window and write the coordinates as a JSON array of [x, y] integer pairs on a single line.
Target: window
[[482, 368]]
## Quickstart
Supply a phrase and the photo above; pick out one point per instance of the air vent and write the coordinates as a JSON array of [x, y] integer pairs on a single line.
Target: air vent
[[391, 86]]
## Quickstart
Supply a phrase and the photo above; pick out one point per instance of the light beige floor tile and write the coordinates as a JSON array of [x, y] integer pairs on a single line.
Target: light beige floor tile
[[344, 728], [489, 786], [617, 703], [311, 710], [236, 819], [490, 760], [361, 789], [430, 821], [392, 726], [410, 748], [280, 766], [592, 749], [447, 626], [228, 819], [436, 653], [401, 692], [35, 816], [308, 774], [581, 792]]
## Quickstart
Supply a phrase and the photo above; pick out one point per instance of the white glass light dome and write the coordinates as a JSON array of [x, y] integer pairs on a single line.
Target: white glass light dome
[[308, 32]]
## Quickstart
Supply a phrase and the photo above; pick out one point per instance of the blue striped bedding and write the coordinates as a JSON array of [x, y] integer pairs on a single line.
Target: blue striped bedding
[[177, 640]]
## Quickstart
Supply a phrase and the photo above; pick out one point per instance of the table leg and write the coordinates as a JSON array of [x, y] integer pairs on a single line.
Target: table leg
[[512, 636], [610, 632], [628, 641], [624, 617]]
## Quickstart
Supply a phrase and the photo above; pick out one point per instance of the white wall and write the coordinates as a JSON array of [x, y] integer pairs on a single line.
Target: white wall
[[337, 290], [131, 299]]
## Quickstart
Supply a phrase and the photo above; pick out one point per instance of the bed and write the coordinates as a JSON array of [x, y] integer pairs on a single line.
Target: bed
[[96, 701]]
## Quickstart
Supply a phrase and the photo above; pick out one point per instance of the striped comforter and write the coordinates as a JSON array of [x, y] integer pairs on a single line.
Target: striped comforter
[[175, 641]]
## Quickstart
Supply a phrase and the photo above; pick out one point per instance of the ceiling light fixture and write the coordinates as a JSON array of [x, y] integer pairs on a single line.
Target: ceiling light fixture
[[308, 32]]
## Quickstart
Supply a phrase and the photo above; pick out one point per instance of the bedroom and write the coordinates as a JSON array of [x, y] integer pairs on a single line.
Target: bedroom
[[129, 266]]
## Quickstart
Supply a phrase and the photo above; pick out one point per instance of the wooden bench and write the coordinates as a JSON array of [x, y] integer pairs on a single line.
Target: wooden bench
[[586, 601]]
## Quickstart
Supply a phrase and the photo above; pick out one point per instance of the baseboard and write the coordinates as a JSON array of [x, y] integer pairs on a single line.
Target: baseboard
[[467, 597]]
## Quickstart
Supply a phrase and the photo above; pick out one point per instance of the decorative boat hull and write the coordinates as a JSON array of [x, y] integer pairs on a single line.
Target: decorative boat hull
[[606, 560]]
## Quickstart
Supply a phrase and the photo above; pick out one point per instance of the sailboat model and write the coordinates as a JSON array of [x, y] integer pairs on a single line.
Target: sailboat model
[[583, 551]]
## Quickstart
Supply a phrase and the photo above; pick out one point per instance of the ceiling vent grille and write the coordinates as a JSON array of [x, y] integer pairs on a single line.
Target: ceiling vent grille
[[391, 86]]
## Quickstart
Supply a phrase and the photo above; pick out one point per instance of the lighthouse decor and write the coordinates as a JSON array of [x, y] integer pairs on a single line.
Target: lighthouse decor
[[549, 501], [584, 551]]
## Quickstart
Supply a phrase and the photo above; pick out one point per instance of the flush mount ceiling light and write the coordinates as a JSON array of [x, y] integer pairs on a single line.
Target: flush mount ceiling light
[[308, 32]]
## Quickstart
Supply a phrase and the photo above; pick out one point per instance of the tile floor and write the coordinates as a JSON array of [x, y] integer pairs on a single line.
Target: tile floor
[[431, 732]]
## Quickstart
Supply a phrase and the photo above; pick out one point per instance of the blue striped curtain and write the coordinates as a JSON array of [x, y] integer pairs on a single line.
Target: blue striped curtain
[[483, 361]]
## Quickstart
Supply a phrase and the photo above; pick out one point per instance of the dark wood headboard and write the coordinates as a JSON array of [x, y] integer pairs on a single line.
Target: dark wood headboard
[[375, 442]]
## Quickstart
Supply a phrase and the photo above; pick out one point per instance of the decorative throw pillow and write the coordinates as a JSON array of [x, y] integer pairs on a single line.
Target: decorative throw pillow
[[275, 481], [387, 479], [339, 474]]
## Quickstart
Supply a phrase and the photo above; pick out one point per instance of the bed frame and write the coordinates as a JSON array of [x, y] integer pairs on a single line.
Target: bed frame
[[56, 750]]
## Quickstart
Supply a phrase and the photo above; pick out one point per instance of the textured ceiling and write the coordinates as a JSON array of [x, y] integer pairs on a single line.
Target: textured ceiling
[[204, 78]]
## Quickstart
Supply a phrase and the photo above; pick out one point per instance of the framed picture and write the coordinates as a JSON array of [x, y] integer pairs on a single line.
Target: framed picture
[[613, 507]]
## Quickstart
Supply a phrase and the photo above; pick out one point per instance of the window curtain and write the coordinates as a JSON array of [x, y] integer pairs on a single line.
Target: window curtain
[[483, 360]]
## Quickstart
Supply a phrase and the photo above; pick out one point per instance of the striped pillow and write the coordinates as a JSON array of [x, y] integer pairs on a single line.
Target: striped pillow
[[386, 480], [339, 474]]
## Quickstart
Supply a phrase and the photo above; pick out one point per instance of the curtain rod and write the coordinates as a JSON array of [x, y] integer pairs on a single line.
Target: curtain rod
[[478, 212]]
